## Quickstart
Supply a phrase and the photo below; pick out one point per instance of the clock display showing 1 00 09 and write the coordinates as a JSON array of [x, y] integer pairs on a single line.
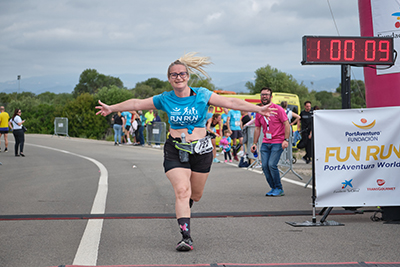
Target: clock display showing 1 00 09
[[337, 50]]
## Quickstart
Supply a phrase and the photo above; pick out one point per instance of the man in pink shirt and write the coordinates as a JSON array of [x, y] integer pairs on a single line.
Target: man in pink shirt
[[276, 133]]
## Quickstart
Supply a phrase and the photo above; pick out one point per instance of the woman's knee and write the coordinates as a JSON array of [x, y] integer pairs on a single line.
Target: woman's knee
[[182, 192]]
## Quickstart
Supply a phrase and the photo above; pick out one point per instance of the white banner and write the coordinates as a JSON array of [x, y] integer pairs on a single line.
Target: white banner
[[357, 157], [386, 23]]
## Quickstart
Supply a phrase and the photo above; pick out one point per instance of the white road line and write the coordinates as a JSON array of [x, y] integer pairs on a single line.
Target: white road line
[[89, 246], [282, 178]]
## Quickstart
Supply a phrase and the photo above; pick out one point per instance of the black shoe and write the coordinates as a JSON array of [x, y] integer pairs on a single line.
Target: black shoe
[[6, 150], [186, 244], [22, 155], [17, 155]]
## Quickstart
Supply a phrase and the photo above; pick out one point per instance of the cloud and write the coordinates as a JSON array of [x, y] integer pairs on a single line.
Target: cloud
[[44, 37]]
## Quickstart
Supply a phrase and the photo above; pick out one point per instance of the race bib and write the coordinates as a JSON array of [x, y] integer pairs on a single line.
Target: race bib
[[203, 146]]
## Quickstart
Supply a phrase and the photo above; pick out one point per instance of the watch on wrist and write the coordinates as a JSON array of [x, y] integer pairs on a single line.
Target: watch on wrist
[[287, 140]]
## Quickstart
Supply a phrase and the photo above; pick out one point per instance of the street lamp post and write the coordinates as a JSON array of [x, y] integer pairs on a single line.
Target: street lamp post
[[18, 78]]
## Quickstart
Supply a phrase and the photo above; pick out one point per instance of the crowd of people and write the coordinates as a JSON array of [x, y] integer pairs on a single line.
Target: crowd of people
[[15, 124], [129, 127]]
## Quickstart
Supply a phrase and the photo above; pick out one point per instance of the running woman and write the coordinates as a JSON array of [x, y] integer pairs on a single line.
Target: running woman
[[188, 150]]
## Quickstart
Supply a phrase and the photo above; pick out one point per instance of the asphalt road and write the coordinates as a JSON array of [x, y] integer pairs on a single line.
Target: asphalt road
[[76, 202]]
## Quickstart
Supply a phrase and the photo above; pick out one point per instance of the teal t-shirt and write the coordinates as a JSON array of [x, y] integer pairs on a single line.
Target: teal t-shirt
[[234, 122], [185, 112], [128, 117]]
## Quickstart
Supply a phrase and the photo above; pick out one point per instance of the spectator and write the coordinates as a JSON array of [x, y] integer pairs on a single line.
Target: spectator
[[225, 143], [127, 127], [149, 125], [210, 112], [224, 117], [233, 123], [4, 117], [211, 123], [290, 114], [16, 123], [136, 121], [119, 121], [276, 133], [157, 126], [306, 117], [141, 129]]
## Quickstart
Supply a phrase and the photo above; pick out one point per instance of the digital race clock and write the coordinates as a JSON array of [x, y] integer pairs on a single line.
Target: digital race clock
[[347, 50]]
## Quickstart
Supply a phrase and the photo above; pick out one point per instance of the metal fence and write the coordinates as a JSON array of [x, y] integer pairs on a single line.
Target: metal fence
[[156, 133], [61, 126], [286, 160]]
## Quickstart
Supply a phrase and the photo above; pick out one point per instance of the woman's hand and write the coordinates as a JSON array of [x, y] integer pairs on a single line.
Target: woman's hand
[[267, 111], [104, 109]]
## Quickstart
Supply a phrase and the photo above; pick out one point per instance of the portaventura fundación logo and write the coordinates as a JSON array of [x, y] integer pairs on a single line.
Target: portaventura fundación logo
[[363, 136], [364, 124]]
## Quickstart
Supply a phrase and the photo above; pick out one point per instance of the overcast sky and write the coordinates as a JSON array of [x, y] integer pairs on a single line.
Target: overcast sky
[[42, 37]]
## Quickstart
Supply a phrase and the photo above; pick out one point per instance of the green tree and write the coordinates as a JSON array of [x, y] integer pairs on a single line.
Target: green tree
[[279, 81], [5, 99], [150, 87], [82, 119], [46, 97], [357, 93], [155, 83], [196, 81], [43, 120], [27, 103], [90, 81], [328, 100], [112, 95]]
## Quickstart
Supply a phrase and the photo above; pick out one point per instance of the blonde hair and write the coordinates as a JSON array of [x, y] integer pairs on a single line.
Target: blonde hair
[[193, 64]]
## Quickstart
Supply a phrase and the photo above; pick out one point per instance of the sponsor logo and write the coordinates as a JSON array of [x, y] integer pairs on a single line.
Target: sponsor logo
[[347, 187], [397, 24], [380, 188], [380, 182], [363, 136], [364, 124], [347, 183]]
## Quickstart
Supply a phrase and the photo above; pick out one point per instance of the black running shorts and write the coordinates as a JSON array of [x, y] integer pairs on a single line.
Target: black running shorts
[[197, 163]]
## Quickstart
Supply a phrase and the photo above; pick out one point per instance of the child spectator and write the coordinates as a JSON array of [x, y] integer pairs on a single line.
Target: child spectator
[[225, 143]]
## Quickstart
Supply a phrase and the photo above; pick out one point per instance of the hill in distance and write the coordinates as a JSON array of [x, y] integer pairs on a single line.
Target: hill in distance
[[224, 81]]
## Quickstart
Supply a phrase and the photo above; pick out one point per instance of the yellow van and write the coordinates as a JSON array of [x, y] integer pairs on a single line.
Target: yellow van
[[277, 98], [292, 100]]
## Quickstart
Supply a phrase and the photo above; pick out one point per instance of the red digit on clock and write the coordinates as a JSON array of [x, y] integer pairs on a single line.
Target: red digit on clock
[[335, 51], [349, 50], [384, 50], [370, 51]]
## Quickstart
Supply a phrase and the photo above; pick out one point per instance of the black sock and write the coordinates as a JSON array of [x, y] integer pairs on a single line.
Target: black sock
[[184, 225], [238, 147]]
